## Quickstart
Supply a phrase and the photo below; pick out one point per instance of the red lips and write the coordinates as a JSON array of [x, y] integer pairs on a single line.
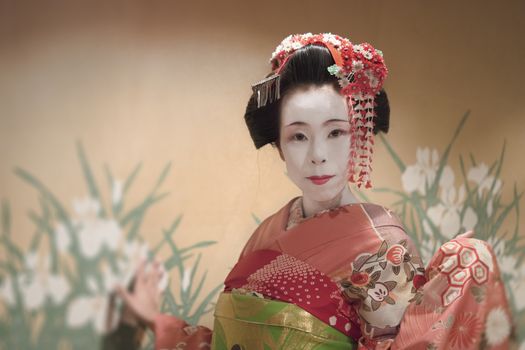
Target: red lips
[[319, 180]]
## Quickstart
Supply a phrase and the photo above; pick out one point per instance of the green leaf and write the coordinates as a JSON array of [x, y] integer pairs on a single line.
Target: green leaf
[[202, 306], [162, 177], [130, 179], [185, 293], [257, 220], [90, 179], [393, 154], [444, 159], [6, 218], [63, 216], [138, 212], [197, 245]]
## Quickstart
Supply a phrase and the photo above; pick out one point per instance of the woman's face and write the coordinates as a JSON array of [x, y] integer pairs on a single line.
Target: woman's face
[[315, 141]]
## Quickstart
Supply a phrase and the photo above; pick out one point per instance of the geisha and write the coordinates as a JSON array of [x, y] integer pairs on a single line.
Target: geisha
[[327, 271]]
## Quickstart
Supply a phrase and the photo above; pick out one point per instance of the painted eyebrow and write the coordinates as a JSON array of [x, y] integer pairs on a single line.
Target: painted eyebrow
[[325, 123]]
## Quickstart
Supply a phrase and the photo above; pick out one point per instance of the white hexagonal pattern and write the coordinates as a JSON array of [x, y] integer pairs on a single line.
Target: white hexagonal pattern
[[450, 247], [451, 294], [449, 263], [459, 276], [467, 257], [480, 272]]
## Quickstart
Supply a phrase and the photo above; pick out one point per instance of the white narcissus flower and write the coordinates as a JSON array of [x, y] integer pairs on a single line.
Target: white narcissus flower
[[517, 286], [116, 192], [86, 208], [62, 238], [508, 264], [90, 239], [94, 234], [32, 283], [33, 291], [88, 309], [39, 283], [498, 246], [186, 279], [163, 283], [79, 312], [446, 215], [497, 326], [110, 279], [419, 176], [94, 308], [58, 288], [7, 292], [479, 175], [427, 249]]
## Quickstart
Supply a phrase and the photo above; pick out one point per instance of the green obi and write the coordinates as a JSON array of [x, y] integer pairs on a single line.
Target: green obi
[[246, 322]]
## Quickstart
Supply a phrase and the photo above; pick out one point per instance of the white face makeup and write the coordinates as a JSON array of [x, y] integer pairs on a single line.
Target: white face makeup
[[315, 141]]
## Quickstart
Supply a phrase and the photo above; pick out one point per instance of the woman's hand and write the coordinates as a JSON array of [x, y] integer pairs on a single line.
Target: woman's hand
[[143, 301]]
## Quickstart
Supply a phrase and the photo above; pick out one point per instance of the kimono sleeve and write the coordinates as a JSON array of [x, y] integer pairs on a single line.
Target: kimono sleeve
[[174, 333], [382, 283]]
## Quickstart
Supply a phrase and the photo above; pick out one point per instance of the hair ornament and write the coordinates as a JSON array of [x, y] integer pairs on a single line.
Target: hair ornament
[[360, 70]]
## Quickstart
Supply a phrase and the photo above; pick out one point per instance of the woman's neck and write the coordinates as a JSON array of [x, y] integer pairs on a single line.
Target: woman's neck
[[311, 207]]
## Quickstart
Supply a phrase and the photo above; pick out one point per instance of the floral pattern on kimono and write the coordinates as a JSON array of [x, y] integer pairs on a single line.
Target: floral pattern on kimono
[[379, 283]]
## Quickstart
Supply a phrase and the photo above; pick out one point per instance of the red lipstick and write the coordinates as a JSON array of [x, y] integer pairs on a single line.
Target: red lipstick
[[319, 180]]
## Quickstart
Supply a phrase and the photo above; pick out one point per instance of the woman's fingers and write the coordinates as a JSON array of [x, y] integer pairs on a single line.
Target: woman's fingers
[[141, 271], [154, 279], [124, 295], [468, 234]]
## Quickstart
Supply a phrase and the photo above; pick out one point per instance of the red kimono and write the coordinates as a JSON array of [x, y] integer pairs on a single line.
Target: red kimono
[[366, 280]]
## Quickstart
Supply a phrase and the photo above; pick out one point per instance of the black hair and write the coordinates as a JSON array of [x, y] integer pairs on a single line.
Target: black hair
[[306, 67]]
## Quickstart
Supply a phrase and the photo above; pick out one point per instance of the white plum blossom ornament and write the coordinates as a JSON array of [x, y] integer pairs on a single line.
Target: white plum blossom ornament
[[358, 48], [330, 38], [357, 66]]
